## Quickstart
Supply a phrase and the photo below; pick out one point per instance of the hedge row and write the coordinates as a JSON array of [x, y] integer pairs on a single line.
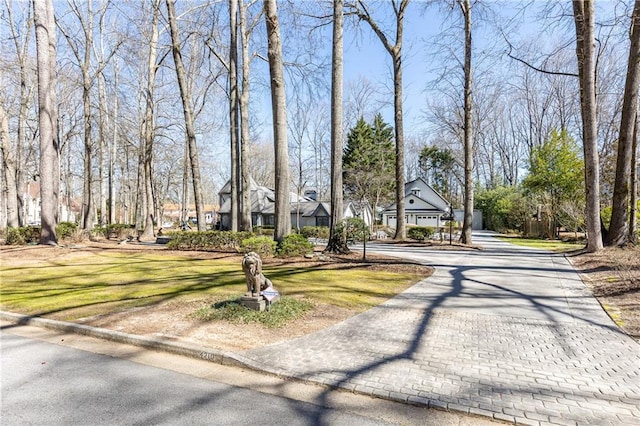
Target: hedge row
[[321, 232], [31, 234], [226, 241]]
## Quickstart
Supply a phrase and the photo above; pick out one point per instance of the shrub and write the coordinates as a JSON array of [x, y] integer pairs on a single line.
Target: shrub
[[264, 230], [15, 237], [355, 229], [66, 230], [22, 236], [119, 231], [420, 233], [294, 245], [321, 232], [208, 240], [263, 245]]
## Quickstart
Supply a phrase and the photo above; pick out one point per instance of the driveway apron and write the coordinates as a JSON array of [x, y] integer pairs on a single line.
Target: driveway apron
[[506, 332]]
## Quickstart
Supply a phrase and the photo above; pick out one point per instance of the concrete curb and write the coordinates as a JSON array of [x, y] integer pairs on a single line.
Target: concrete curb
[[218, 357], [184, 349]]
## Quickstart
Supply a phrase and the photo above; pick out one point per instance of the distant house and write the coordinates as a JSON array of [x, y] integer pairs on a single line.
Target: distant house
[[171, 214], [424, 206], [305, 210], [69, 210]]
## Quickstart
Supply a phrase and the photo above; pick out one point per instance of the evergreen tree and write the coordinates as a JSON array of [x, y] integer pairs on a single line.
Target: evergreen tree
[[369, 161]]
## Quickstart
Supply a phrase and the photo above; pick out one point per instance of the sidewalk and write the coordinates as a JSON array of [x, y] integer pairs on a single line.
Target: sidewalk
[[509, 333]]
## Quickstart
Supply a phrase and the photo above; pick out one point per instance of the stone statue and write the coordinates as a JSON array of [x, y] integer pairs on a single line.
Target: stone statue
[[256, 281]]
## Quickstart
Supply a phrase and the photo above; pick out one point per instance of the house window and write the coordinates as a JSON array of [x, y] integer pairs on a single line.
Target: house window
[[269, 220], [322, 221], [411, 201]]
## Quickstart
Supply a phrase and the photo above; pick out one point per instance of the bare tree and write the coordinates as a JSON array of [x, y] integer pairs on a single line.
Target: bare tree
[[188, 115], [618, 230], [233, 114], [148, 129], [395, 51], [21, 40], [44, 20], [279, 111], [337, 243], [467, 226], [633, 211], [246, 29], [9, 189], [82, 51], [584, 17]]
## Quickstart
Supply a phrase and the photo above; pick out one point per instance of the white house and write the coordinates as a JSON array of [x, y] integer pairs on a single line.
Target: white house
[[424, 206]]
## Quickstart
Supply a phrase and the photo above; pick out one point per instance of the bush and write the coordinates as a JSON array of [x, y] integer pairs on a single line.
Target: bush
[[66, 230], [22, 236], [264, 230], [119, 231], [263, 245], [420, 233], [294, 245], [15, 237], [208, 240], [321, 232]]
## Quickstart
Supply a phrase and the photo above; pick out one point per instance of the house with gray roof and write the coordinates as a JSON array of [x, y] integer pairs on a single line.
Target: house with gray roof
[[305, 210]]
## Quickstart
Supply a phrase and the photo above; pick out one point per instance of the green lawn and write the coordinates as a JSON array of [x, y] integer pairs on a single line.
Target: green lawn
[[551, 245], [103, 282]]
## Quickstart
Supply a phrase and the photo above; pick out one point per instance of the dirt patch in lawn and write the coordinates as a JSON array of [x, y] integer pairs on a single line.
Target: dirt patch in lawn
[[613, 275], [174, 320]]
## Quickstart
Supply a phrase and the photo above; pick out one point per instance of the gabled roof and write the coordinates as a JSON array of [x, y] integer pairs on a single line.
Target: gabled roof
[[432, 198]]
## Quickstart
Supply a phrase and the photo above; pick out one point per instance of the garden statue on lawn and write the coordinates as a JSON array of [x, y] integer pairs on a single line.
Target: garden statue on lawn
[[260, 292]]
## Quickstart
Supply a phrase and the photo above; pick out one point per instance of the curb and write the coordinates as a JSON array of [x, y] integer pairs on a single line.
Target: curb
[[228, 359], [184, 349]]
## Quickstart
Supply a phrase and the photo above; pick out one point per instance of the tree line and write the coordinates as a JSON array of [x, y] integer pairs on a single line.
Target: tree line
[[115, 103]]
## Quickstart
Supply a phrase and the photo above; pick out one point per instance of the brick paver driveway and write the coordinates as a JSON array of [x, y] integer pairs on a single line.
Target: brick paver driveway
[[507, 332]]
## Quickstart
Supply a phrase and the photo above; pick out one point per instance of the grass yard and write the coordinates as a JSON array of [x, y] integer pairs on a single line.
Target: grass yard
[[83, 283], [551, 245]]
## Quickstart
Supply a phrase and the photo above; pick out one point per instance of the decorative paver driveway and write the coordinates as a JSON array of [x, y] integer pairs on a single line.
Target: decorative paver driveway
[[507, 332]]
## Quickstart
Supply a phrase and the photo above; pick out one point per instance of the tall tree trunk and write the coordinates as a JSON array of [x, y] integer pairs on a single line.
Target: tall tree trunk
[[243, 103], [47, 118], [184, 213], [233, 114], [279, 110], [87, 197], [618, 230], [188, 116], [395, 51], [148, 209], [9, 189], [21, 41], [401, 232], [337, 241], [633, 211], [584, 17], [102, 155], [113, 151], [466, 237]]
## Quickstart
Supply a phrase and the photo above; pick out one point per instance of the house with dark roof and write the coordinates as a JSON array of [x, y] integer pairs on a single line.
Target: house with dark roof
[[305, 210]]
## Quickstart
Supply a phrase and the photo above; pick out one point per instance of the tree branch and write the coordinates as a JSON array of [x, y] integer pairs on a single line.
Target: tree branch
[[533, 67]]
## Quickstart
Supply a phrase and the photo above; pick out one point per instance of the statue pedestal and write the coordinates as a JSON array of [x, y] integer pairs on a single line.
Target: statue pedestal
[[256, 303]]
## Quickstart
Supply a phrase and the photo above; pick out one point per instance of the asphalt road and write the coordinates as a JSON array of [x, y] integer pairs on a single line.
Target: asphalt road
[[56, 378], [44, 383]]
